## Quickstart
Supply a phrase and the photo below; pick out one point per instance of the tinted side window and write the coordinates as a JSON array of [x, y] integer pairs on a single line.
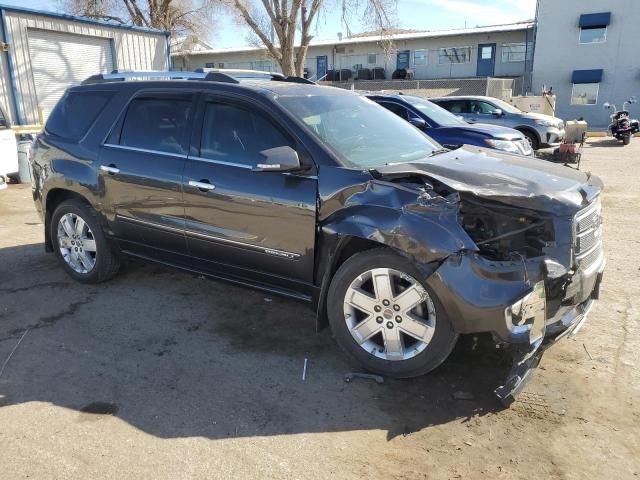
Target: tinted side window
[[75, 113], [234, 134], [482, 108], [157, 124], [454, 106], [397, 109]]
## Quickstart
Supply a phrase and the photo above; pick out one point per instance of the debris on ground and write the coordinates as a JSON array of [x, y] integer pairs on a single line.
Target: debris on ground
[[348, 377]]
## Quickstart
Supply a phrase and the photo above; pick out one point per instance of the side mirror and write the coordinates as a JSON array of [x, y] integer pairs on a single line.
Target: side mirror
[[606, 105], [278, 159], [498, 112], [418, 122], [633, 99]]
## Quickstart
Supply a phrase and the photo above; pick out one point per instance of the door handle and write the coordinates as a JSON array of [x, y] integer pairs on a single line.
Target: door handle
[[202, 185], [110, 169]]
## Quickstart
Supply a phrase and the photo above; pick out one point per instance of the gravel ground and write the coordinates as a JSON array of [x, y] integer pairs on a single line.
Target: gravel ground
[[159, 374]]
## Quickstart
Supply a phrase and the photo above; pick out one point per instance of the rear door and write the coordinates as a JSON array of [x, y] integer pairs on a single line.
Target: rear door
[[243, 223], [141, 166]]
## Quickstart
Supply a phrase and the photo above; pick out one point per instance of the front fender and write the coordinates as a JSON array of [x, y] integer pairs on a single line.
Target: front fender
[[422, 228]]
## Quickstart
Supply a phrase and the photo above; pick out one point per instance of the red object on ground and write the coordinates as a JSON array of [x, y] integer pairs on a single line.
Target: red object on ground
[[572, 148]]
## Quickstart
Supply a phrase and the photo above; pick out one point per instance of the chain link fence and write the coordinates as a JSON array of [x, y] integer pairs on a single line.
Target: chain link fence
[[503, 88]]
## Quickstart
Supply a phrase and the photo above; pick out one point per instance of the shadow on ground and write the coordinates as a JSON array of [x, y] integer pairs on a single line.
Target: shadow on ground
[[180, 356]]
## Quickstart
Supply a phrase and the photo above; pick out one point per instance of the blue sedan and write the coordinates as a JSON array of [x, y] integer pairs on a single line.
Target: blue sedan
[[450, 130]]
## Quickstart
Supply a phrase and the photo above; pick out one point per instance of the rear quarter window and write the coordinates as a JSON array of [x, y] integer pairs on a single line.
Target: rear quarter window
[[75, 113]]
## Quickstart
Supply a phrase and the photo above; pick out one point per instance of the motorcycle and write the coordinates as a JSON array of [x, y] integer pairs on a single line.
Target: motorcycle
[[622, 126]]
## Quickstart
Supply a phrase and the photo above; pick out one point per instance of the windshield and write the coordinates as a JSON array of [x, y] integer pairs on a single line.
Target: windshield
[[504, 106], [436, 113], [361, 133]]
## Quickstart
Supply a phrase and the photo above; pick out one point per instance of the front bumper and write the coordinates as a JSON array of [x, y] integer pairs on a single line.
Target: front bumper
[[513, 300], [527, 359], [551, 136]]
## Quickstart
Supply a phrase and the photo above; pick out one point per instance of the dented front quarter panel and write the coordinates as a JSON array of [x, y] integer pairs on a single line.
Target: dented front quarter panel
[[419, 226]]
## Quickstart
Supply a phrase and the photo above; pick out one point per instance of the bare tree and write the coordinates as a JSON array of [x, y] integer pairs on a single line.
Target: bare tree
[[181, 17], [277, 23]]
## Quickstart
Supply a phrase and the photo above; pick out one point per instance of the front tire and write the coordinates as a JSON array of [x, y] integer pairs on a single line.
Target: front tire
[[626, 140], [80, 245], [386, 318], [533, 139]]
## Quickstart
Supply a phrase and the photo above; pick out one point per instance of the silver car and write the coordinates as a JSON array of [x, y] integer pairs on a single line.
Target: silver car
[[541, 130]]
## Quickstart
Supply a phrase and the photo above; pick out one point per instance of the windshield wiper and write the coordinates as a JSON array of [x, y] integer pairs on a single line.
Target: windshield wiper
[[438, 152]]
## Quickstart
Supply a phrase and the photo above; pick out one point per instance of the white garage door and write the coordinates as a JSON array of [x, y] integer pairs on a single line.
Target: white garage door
[[60, 60]]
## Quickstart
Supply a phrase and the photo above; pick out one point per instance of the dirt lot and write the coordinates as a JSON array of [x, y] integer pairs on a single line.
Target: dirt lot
[[159, 374]]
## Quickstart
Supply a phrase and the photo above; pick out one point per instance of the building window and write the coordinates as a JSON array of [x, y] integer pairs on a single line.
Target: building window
[[420, 57], [372, 58], [221, 65], [210, 65], [584, 93], [593, 34], [593, 27], [262, 65], [516, 52], [454, 55]]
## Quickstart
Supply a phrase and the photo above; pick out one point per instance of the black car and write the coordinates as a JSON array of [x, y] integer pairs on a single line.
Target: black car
[[449, 130], [319, 194]]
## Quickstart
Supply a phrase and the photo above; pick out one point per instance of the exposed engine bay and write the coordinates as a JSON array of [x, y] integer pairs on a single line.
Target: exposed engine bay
[[505, 233]]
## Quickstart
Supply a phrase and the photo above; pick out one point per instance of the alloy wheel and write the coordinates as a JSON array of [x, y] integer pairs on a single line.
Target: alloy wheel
[[77, 243], [389, 314]]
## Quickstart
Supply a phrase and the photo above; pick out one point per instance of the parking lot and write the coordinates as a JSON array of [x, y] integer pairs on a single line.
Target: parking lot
[[161, 374]]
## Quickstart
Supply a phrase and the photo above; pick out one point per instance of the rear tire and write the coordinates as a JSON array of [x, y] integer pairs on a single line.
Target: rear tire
[[403, 334], [80, 245]]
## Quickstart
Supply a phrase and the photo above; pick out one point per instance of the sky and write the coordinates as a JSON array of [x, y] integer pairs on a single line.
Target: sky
[[414, 14]]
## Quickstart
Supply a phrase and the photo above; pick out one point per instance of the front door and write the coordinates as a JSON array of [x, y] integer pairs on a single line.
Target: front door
[[141, 167], [402, 59], [243, 223], [321, 66], [486, 60], [481, 111]]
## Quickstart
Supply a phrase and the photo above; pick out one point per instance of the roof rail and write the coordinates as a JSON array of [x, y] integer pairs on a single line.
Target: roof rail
[[117, 75], [203, 74], [242, 74]]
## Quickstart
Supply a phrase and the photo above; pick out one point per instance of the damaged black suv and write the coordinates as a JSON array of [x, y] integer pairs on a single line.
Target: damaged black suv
[[320, 194]]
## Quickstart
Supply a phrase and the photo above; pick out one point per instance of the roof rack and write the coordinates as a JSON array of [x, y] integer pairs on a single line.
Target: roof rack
[[116, 76], [256, 75], [203, 74]]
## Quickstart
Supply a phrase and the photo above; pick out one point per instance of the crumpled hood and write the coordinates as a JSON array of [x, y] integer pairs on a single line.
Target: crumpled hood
[[510, 179]]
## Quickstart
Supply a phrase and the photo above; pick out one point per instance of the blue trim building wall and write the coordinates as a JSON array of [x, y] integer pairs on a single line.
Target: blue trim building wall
[[585, 51]]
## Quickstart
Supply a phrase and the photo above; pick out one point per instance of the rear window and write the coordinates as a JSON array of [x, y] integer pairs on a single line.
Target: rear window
[[158, 124], [75, 113]]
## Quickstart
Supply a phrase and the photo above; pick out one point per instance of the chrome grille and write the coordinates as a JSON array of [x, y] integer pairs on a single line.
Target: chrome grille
[[587, 246], [523, 146]]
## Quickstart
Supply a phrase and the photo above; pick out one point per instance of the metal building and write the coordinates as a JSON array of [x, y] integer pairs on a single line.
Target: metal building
[[43, 53], [586, 51]]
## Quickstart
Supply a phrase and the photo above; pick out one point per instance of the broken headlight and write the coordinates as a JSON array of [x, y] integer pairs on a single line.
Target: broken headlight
[[503, 233]]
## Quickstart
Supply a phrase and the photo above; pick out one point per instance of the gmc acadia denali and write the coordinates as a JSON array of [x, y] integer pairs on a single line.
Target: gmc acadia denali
[[320, 194]]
